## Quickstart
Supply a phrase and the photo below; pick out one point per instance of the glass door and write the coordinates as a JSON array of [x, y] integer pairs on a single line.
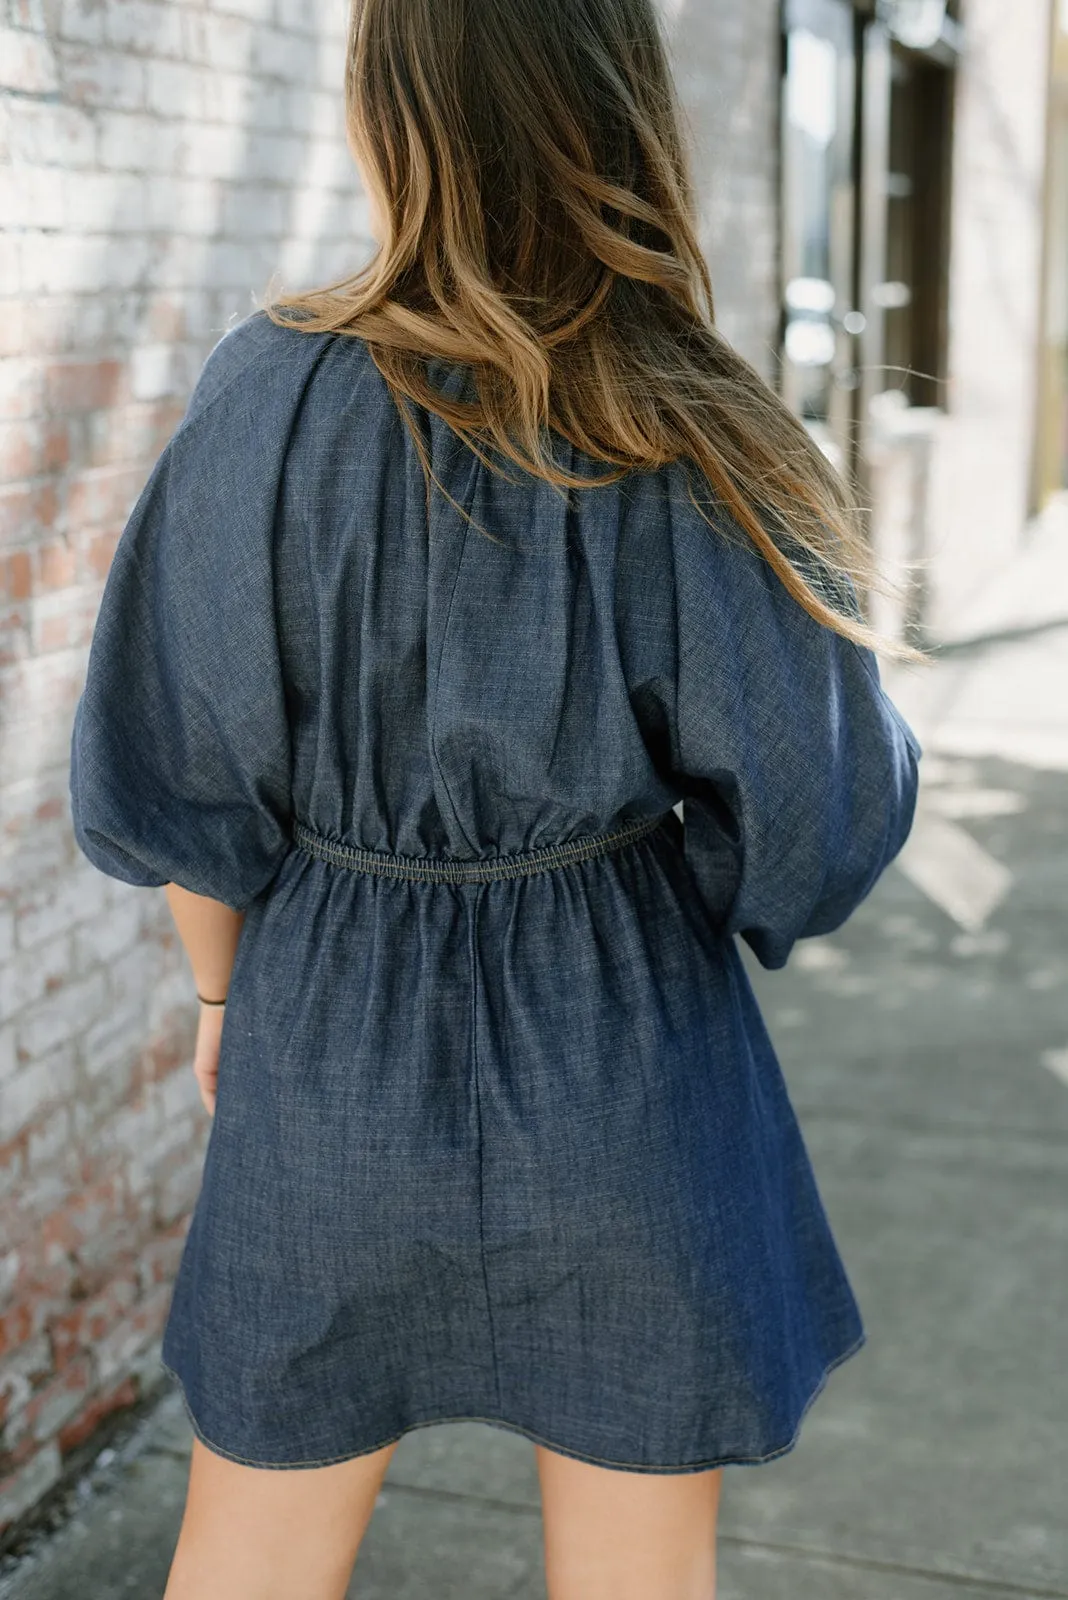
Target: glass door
[[819, 166]]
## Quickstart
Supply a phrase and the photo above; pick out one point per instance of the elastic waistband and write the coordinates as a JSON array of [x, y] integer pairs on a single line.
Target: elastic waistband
[[436, 869]]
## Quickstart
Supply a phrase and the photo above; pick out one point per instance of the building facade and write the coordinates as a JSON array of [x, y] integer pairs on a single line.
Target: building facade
[[914, 207]]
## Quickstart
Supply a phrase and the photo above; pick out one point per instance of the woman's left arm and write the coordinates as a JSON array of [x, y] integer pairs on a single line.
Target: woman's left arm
[[209, 932]]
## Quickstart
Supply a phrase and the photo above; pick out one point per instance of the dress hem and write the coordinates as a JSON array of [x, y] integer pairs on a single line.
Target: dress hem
[[515, 1427]]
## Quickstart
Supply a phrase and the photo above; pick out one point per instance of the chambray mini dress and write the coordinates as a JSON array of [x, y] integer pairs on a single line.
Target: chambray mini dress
[[500, 1134]]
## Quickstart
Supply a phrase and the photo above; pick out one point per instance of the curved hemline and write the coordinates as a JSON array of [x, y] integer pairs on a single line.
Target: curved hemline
[[710, 1465]]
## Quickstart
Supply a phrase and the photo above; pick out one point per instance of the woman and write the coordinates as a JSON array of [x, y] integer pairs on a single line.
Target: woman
[[456, 579]]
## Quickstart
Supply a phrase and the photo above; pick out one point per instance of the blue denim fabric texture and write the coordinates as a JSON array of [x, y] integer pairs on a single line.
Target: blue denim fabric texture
[[500, 1133]]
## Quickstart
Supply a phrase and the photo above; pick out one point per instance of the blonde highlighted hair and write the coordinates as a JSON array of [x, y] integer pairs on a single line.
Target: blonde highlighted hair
[[538, 227]]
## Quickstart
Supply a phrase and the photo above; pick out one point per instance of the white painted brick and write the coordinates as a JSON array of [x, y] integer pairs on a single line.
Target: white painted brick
[[320, 113], [152, 372], [29, 974], [94, 77], [23, 1366], [146, 1368], [179, 1094], [133, 973], [257, 10], [211, 150], [273, 108], [105, 202], [50, 1142], [30, 1483], [7, 933], [277, 54], [180, 256], [153, 30], [255, 211], [275, 157], [132, 143], [82, 19], [229, 97], [8, 1059], [117, 927], [174, 89], [126, 1342], [46, 133], [240, 266], [59, 1408], [10, 1267], [78, 897], [27, 62], [185, 205], [62, 1016], [212, 39], [109, 1091], [31, 197], [10, 266], [303, 16], [44, 854], [115, 1036], [27, 14], [178, 1191], [76, 264], [44, 1083]]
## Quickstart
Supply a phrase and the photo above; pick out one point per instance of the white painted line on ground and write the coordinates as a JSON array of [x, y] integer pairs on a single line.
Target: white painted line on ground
[[947, 865], [1057, 1062]]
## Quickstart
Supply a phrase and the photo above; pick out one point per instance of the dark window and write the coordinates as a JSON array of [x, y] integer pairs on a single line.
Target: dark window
[[914, 294]]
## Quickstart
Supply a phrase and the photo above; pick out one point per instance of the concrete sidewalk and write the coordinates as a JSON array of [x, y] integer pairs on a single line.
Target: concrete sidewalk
[[926, 1049]]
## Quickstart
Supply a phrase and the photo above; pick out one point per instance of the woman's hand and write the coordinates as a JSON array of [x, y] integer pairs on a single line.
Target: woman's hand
[[206, 1055]]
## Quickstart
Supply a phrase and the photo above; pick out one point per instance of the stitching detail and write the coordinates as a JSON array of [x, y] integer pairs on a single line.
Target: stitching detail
[[520, 863], [528, 1433]]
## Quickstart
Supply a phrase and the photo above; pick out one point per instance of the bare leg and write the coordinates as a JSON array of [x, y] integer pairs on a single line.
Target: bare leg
[[266, 1533], [613, 1535]]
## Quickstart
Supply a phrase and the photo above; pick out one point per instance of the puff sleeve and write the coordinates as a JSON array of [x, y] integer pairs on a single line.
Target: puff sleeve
[[180, 749], [800, 775]]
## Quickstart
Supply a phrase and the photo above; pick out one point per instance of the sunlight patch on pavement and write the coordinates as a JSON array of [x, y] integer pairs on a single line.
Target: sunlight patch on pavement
[[954, 872], [962, 802], [1057, 1062], [819, 955]]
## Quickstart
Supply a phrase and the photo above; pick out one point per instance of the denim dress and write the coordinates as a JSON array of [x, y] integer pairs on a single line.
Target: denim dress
[[499, 1134]]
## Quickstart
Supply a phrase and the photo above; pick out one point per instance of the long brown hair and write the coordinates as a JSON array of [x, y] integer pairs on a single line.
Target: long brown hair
[[538, 226]]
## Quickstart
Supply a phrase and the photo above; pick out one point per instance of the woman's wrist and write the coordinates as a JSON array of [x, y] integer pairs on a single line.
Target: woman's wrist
[[206, 1002]]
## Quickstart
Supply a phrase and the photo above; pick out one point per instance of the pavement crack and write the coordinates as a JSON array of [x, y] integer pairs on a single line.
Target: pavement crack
[[899, 1569], [462, 1497]]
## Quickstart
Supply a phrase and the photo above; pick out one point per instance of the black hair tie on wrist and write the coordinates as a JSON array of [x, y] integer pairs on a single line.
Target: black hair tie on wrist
[[204, 1002]]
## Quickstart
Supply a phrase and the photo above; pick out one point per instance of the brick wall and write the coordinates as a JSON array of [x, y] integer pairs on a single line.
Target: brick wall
[[158, 162]]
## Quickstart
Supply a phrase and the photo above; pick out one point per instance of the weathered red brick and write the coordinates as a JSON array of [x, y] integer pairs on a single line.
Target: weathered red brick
[[53, 633], [58, 1402], [57, 565], [32, 449], [102, 495], [100, 551], [90, 1320], [81, 1426], [16, 575], [83, 385], [16, 1326], [26, 511]]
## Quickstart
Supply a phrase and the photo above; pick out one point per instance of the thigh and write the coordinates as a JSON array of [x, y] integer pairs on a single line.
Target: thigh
[[615, 1535], [266, 1533]]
